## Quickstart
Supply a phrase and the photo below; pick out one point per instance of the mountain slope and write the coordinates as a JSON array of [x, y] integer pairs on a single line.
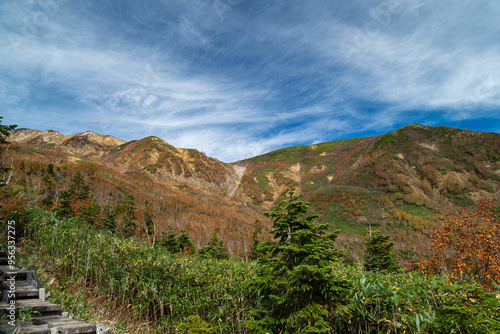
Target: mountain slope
[[425, 161], [150, 156], [401, 181], [161, 161]]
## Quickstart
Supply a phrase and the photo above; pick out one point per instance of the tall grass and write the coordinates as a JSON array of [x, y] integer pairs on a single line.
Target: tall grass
[[417, 303], [136, 279]]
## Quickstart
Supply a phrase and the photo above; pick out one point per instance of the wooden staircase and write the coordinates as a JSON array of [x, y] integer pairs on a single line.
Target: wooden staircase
[[21, 290]]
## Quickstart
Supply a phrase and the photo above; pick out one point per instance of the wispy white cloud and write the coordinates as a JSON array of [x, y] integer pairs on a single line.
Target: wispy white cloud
[[438, 63], [238, 78]]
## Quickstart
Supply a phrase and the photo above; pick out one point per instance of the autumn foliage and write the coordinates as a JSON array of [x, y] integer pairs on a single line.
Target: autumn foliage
[[468, 246]]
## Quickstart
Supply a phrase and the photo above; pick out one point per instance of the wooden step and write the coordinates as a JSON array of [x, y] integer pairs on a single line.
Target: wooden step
[[70, 325], [18, 274], [18, 284], [27, 329], [42, 306], [77, 329], [30, 295], [23, 290]]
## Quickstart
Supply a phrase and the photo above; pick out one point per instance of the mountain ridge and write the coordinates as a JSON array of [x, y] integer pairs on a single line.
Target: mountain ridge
[[159, 159]]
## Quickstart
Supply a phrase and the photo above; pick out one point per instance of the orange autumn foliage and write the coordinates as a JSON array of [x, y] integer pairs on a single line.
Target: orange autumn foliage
[[468, 245]]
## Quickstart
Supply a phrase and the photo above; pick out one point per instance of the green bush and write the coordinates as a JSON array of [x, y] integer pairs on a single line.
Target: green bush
[[417, 303], [194, 325]]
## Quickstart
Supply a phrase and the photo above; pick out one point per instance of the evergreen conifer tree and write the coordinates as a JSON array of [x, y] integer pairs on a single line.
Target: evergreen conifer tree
[[129, 219], [65, 208], [109, 220], [169, 242], [148, 218], [186, 243], [77, 200], [90, 212], [379, 255], [79, 189], [215, 249], [48, 192], [296, 283]]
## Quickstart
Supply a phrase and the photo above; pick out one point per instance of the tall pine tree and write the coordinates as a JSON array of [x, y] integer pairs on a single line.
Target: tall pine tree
[[79, 189], [297, 287], [168, 241], [254, 254], [148, 219]]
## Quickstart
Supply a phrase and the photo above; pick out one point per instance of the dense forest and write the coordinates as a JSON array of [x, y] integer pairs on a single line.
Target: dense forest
[[149, 255]]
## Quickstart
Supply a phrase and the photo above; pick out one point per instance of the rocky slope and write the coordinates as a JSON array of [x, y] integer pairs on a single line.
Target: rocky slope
[[87, 144], [150, 156]]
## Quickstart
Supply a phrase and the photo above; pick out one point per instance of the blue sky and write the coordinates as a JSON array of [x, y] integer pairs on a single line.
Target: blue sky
[[237, 78]]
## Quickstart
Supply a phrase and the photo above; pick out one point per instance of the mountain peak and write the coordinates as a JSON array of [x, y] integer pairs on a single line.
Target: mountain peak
[[24, 135], [87, 144], [416, 125]]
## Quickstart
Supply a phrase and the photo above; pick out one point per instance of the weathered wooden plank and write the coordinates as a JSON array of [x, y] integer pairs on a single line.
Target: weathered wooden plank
[[18, 274], [77, 329], [3, 305], [64, 323], [56, 320], [16, 283], [21, 288], [5, 308], [5, 268], [27, 329], [26, 294], [45, 319], [44, 307]]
